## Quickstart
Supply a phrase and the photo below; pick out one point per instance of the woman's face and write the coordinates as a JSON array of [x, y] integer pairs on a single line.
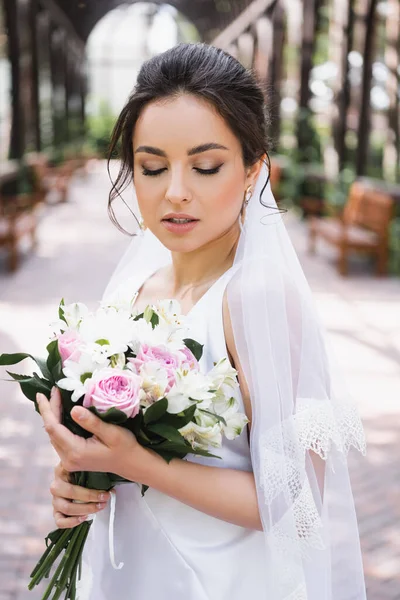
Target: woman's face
[[188, 165]]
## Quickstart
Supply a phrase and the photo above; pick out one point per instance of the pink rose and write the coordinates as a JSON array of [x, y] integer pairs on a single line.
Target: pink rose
[[116, 388], [163, 357], [68, 344], [189, 361]]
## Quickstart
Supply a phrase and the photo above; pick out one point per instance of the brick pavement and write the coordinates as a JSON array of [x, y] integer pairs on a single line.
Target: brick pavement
[[77, 252]]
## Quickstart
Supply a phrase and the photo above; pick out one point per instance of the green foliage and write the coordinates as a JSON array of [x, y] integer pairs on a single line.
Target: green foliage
[[394, 247], [100, 127], [336, 192], [24, 181]]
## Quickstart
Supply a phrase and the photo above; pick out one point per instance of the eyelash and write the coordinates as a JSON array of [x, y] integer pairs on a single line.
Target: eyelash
[[150, 173]]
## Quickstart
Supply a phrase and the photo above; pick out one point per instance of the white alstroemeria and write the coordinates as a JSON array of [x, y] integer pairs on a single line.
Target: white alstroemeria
[[154, 383], [205, 419], [228, 409], [122, 300], [202, 437], [235, 423], [108, 328], [170, 312], [74, 314], [162, 335], [190, 386], [224, 374], [78, 375]]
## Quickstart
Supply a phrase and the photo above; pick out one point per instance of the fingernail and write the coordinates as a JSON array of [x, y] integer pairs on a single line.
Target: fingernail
[[82, 413], [82, 518]]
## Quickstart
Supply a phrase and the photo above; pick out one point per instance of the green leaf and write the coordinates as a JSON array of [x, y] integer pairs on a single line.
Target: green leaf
[[13, 359], [98, 481], [154, 320], [218, 418], [200, 452], [195, 348], [112, 415], [156, 411], [174, 447], [61, 311], [30, 386], [166, 431], [141, 316], [181, 419], [54, 363]]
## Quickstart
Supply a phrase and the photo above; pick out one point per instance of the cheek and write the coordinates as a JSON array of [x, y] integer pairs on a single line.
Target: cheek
[[225, 202], [149, 196]]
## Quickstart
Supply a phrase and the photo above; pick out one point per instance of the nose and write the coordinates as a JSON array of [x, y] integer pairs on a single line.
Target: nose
[[177, 190]]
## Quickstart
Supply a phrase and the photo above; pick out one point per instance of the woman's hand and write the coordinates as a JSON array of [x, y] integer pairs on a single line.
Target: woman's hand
[[111, 449], [66, 513]]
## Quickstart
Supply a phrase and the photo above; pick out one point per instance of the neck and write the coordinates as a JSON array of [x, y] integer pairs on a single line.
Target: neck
[[191, 269]]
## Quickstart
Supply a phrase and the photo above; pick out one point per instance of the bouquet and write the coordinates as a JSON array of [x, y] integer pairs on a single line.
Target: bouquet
[[138, 371]]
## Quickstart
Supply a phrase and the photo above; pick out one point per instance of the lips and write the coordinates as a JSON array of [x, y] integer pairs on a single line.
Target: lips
[[179, 218], [179, 223]]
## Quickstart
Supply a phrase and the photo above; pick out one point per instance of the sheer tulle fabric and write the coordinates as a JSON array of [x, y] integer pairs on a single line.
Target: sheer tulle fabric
[[303, 423]]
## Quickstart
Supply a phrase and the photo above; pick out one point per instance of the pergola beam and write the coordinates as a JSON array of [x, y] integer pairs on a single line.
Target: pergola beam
[[250, 14]]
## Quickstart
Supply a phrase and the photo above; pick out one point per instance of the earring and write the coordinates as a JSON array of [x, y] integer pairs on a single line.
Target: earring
[[247, 195], [246, 200], [142, 225]]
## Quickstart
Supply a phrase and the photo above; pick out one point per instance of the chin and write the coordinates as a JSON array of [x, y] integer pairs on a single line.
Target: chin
[[181, 243]]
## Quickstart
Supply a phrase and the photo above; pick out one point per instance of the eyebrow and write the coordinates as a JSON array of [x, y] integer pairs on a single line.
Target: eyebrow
[[191, 152]]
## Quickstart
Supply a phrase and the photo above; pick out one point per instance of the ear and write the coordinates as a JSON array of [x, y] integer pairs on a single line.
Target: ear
[[253, 172]]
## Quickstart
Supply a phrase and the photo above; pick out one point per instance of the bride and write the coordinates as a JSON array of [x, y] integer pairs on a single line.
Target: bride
[[274, 517]]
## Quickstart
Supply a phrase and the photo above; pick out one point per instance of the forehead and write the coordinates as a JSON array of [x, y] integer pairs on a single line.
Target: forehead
[[182, 122]]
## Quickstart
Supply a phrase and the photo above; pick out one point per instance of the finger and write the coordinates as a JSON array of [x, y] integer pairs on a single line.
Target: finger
[[60, 436], [63, 522], [55, 403], [74, 509], [67, 490], [103, 431]]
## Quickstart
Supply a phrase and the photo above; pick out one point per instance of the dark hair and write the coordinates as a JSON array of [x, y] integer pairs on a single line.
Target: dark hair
[[200, 70]]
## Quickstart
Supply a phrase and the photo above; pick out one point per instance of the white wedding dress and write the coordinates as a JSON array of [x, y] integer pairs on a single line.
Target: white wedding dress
[[171, 551]]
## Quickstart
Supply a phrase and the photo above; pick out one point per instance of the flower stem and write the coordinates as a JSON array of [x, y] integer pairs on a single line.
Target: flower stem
[[72, 556], [48, 558]]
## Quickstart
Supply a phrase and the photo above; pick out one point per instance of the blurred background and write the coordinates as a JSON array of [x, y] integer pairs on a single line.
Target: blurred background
[[331, 74]]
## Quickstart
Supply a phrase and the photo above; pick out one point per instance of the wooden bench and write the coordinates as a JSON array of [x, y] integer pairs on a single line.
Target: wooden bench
[[18, 218], [362, 227]]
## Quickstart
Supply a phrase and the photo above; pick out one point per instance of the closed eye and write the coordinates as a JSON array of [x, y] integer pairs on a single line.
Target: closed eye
[[208, 171], [154, 173]]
